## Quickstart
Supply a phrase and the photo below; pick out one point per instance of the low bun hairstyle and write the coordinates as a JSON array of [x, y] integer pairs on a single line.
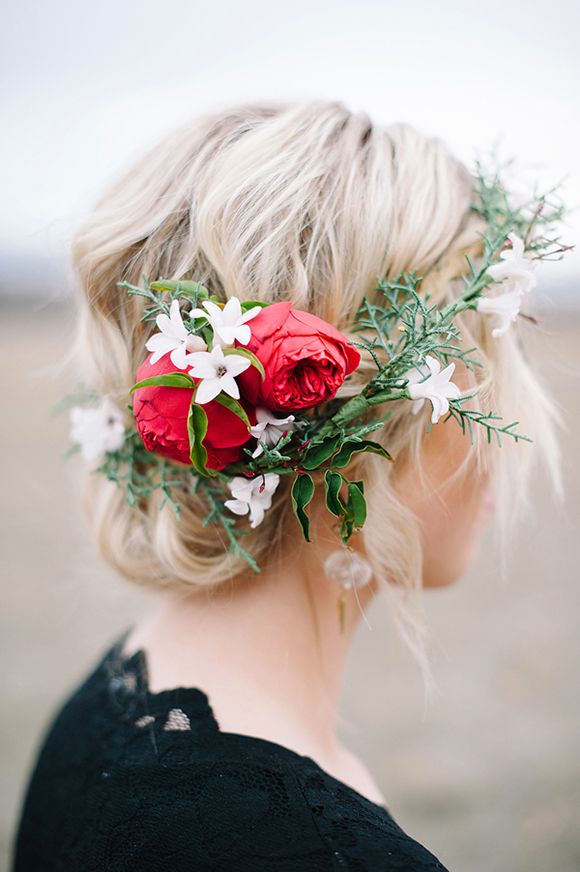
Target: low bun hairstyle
[[309, 203]]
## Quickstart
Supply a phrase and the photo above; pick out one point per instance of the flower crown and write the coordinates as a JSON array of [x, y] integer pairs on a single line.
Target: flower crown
[[243, 393]]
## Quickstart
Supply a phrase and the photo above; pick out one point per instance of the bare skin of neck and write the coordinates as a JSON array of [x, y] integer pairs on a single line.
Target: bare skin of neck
[[268, 651]]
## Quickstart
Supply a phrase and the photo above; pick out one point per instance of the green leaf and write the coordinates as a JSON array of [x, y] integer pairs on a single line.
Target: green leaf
[[169, 380], [356, 504], [344, 456], [301, 494], [251, 304], [318, 453], [196, 430], [332, 485], [193, 289], [234, 406], [244, 352]]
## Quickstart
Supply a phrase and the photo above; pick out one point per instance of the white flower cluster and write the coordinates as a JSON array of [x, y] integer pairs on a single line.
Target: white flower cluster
[[514, 277], [98, 429], [216, 371]]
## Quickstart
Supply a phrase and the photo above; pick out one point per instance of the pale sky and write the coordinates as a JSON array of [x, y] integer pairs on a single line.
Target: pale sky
[[84, 87]]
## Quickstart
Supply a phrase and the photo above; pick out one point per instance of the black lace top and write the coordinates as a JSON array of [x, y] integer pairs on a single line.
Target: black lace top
[[129, 781]]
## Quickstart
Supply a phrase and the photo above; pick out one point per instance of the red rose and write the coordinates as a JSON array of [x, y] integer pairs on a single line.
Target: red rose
[[161, 417], [305, 358]]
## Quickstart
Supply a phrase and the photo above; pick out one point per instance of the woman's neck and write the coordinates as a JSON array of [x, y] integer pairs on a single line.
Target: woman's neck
[[267, 650]]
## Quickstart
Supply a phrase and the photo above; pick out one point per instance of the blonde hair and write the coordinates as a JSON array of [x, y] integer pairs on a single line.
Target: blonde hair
[[309, 203]]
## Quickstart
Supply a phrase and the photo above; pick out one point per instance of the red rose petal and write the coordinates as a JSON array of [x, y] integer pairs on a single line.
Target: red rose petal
[[161, 418]]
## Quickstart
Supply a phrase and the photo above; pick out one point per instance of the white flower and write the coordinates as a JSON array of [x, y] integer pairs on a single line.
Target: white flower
[[515, 270], [217, 372], [269, 429], [253, 495], [174, 337], [97, 429], [506, 307], [229, 324], [436, 387], [515, 276]]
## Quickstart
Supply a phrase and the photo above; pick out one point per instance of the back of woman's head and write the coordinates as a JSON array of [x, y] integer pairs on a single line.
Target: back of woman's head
[[308, 203]]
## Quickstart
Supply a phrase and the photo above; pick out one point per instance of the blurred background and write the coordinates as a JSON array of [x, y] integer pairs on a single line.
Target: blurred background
[[488, 776]]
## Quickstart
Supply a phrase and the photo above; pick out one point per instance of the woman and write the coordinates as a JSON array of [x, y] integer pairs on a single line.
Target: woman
[[205, 738]]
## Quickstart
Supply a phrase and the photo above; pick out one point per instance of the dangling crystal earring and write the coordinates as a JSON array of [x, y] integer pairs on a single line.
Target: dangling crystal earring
[[349, 570]]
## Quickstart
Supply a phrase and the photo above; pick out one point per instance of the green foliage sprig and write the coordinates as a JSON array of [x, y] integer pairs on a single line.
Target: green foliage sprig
[[140, 472]]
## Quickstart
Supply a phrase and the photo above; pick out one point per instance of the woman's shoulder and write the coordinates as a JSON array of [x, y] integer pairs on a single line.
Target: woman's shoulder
[[238, 802], [152, 780]]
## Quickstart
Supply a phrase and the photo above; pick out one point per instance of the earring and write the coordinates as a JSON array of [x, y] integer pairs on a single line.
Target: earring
[[349, 570]]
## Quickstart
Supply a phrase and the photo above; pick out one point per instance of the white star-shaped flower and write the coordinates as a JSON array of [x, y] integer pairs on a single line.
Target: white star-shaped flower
[[505, 307], [515, 271], [217, 372], [435, 386], [229, 324], [270, 429], [174, 338], [514, 277], [97, 429], [253, 495]]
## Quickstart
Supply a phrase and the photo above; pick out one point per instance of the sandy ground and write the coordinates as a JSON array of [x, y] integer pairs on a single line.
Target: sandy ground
[[488, 777]]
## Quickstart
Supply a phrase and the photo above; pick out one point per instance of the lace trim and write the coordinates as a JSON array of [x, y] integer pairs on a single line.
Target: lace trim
[[188, 709]]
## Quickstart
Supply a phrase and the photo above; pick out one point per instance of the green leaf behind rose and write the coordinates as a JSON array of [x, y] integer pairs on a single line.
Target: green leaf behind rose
[[245, 352], [234, 406], [196, 430], [251, 304], [169, 380]]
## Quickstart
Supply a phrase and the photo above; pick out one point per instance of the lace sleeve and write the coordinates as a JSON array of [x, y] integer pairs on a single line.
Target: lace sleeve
[[244, 816], [360, 836]]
